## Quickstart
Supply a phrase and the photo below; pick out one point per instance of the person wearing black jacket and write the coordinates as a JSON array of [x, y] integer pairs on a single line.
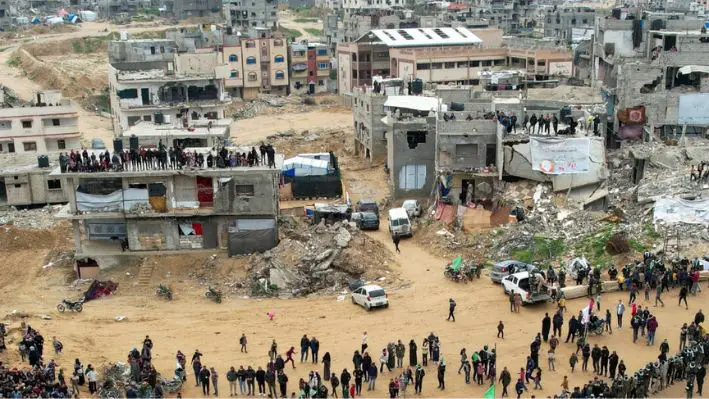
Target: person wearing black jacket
[[345, 381], [701, 373], [613, 363], [358, 375], [271, 381], [605, 357], [555, 123], [441, 376], [335, 383], [250, 377], [585, 353], [357, 360], [699, 317], [596, 356], [204, 380], [283, 383], [546, 327], [573, 326], [505, 379], [366, 363], [557, 321], [314, 348], [418, 379], [304, 345], [261, 381]]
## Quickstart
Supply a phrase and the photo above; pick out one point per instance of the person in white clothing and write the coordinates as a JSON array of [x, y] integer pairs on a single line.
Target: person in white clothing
[[619, 310], [92, 377], [364, 342]]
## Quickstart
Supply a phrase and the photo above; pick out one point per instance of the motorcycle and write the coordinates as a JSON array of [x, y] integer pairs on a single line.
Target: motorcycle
[[164, 291], [74, 306], [214, 294], [456, 276]]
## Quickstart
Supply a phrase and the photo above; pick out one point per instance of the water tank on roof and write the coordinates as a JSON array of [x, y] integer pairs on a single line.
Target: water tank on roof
[[43, 161], [134, 144], [457, 107], [417, 86], [117, 145]]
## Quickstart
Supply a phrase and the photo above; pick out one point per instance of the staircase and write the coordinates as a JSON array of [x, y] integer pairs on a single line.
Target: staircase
[[145, 274]]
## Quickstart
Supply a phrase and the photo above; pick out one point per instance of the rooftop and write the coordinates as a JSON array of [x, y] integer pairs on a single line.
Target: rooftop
[[422, 37], [150, 129], [34, 110], [156, 74]]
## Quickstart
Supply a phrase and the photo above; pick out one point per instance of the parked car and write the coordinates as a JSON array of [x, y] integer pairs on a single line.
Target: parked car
[[413, 208], [507, 267], [519, 283], [368, 220], [399, 223], [370, 296], [367, 206]]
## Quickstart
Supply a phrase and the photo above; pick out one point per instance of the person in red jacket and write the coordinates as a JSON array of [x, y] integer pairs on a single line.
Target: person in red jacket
[[651, 328]]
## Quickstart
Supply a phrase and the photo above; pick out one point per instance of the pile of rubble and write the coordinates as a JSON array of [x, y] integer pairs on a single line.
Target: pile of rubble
[[265, 101], [38, 219], [318, 258]]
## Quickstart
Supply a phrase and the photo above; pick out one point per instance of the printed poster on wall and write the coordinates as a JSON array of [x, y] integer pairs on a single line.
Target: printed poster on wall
[[555, 156]]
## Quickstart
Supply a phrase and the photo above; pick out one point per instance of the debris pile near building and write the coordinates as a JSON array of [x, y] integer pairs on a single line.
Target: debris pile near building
[[318, 258], [265, 101], [36, 219]]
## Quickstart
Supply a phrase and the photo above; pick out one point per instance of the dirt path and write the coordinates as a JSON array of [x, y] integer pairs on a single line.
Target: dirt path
[[254, 130], [190, 322], [287, 20]]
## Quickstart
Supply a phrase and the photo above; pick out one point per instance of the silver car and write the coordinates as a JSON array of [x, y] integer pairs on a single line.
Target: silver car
[[506, 267]]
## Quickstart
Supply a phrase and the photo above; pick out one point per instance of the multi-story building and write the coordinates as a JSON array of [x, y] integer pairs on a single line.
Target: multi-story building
[[559, 23], [459, 57], [655, 68], [159, 92], [309, 68], [5, 14], [196, 8], [510, 16], [248, 16], [332, 30], [370, 132], [375, 4], [264, 65], [172, 211], [24, 184], [112, 8], [50, 123]]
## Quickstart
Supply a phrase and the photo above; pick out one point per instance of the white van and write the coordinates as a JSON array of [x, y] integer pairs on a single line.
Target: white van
[[399, 223]]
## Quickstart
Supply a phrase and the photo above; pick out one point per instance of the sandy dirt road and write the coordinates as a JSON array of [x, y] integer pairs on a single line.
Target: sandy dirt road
[[190, 322], [254, 130]]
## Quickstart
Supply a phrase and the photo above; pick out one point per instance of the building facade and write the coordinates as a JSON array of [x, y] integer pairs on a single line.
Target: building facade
[[51, 123], [309, 68], [248, 16], [561, 22], [172, 211], [196, 8]]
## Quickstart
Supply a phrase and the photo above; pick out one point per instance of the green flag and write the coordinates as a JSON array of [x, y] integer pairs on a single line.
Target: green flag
[[490, 393]]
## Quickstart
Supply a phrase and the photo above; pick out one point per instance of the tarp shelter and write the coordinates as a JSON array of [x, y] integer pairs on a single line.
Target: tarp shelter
[[99, 289], [54, 21], [121, 200], [301, 166], [687, 69], [87, 16], [678, 210], [36, 21], [252, 235]]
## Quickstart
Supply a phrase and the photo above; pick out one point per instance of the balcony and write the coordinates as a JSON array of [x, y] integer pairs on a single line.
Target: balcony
[[65, 129]]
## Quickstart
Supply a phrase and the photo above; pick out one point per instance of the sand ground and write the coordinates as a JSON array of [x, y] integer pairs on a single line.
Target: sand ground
[[190, 322]]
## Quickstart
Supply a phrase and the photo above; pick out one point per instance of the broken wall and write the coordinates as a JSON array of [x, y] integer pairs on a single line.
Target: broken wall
[[411, 146], [249, 194], [152, 235], [464, 145]]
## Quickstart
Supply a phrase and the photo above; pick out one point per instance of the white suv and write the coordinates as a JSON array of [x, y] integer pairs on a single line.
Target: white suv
[[370, 296]]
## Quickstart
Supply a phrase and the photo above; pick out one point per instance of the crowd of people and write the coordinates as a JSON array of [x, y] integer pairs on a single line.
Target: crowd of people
[[162, 158]]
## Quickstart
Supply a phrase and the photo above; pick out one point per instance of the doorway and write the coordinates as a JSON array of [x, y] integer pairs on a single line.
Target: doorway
[[145, 96], [467, 191]]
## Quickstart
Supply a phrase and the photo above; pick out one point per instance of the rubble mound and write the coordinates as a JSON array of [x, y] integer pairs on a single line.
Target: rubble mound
[[318, 258], [36, 219]]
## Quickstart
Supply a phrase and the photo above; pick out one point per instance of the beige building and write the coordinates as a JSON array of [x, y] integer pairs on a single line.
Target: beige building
[[309, 68], [51, 123], [265, 66]]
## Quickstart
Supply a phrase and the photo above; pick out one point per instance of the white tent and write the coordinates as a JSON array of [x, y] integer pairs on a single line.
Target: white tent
[[300, 166]]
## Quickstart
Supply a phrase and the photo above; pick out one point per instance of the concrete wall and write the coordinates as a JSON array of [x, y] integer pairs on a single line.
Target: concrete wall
[[412, 163], [457, 139], [31, 189], [370, 131]]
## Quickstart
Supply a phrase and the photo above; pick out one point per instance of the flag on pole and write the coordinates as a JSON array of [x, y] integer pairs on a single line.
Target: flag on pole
[[490, 393], [586, 312]]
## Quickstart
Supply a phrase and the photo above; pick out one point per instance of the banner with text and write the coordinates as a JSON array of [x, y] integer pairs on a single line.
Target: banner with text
[[556, 156]]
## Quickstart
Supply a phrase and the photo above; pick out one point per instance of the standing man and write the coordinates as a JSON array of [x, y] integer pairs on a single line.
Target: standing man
[[204, 380], [557, 322], [242, 341], [619, 310], [573, 326], [505, 380], [418, 379], [546, 326], [451, 309], [304, 345], [652, 325], [314, 349]]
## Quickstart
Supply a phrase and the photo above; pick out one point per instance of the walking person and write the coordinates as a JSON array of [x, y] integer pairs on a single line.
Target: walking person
[[441, 375], [451, 309], [546, 327], [658, 294], [505, 380], [396, 240], [204, 380], [652, 325], [609, 321], [364, 342], [683, 297], [501, 330], [372, 376], [242, 342], [418, 379], [215, 379], [550, 360], [619, 310]]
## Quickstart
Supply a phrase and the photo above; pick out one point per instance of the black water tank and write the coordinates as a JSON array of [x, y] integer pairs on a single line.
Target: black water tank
[[134, 143], [457, 107], [417, 86], [159, 119], [43, 161], [117, 145]]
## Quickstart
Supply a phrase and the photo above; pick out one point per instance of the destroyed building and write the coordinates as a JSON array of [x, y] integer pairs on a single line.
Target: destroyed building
[[370, 130], [25, 184], [160, 91], [250, 17], [49, 123], [184, 9], [559, 23], [654, 74], [134, 212], [510, 16]]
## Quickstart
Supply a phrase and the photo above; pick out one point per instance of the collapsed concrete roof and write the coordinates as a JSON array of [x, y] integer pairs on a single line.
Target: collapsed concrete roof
[[518, 162]]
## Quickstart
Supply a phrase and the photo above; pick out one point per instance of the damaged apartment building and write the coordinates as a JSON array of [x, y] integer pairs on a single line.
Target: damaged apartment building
[[653, 69], [170, 211], [450, 146]]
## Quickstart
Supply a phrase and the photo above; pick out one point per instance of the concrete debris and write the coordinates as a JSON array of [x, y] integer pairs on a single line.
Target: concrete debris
[[36, 219], [265, 101], [44, 317], [319, 258]]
